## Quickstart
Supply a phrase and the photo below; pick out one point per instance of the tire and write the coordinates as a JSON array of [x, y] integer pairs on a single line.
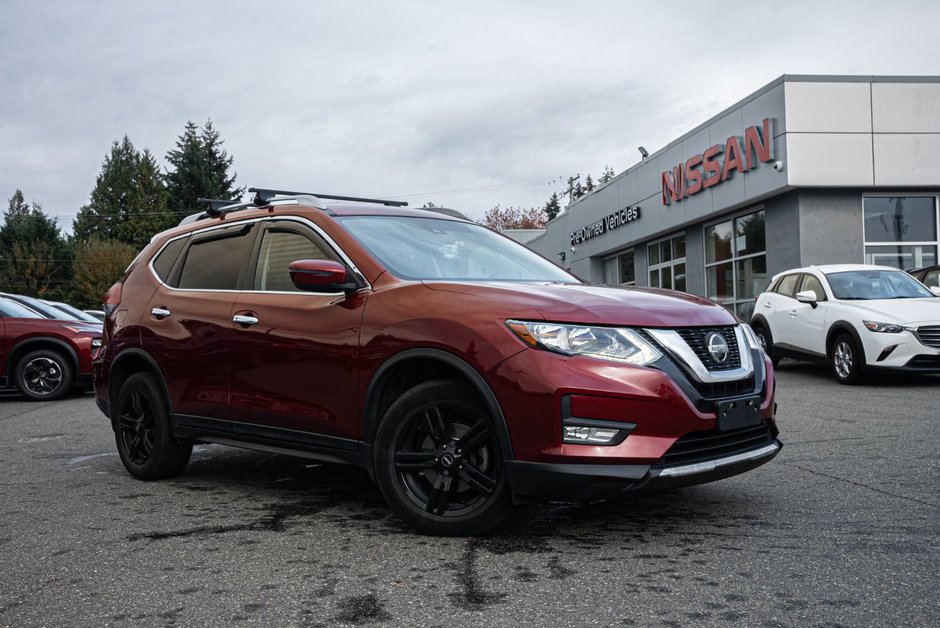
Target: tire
[[846, 360], [142, 431], [767, 342], [438, 463], [44, 375]]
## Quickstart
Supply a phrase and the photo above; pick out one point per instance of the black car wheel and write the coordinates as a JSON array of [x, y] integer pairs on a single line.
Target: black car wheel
[[438, 462], [142, 431], [846, 360], [44, 375], [767, 343]]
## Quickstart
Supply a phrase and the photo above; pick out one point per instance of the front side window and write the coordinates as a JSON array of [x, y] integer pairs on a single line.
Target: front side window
[[810, 282], [216, 259], [736, 262], [278, 249], [901, 231], [436, 248], [667, 263]]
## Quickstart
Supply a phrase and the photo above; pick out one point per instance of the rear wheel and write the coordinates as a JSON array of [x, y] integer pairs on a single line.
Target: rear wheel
[[438, 462], [143, 435], [846, 360], [44, 375], [767, 343]]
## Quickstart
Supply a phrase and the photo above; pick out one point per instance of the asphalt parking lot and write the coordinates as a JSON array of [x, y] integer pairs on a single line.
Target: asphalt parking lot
[[842, 528]]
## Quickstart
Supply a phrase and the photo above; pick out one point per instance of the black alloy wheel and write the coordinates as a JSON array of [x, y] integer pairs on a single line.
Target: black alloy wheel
[[142, 431], [438, 461], [44, 375]]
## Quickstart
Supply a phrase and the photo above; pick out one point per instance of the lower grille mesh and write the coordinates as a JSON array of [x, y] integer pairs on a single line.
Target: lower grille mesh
[[712, 444]]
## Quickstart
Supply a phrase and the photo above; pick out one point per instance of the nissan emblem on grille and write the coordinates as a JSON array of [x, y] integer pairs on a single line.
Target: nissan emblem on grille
[[717, 347]]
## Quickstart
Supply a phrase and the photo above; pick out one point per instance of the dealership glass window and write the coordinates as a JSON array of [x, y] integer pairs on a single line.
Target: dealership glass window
[[736, 262], [619, 270], [667, 263], [901, 231]]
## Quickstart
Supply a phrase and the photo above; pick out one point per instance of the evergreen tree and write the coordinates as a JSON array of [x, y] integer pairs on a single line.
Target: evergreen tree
[[552, 207], [34, 257], [588, 184], [607, 174], [200, 169], [129, 202]]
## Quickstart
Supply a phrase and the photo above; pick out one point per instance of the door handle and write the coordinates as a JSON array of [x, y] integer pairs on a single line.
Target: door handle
[[766, 303], [159, 312], [243, 319], [793, 313]]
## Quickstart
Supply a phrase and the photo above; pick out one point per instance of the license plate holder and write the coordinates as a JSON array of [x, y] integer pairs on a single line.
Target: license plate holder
[[738, 413]]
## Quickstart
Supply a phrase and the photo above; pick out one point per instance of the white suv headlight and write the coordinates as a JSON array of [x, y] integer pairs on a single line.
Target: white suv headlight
[[618, 344], [883, 328]]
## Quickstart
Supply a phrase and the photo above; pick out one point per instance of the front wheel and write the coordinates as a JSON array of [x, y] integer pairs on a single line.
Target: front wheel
[[846, 360], [44, 375], [144, 439], [438, 462]]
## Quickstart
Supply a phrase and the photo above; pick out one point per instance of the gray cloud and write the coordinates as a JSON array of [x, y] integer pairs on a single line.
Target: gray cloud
[[409, 98]]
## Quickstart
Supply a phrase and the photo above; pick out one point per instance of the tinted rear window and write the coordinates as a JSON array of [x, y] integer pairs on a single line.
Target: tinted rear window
[[216, 260], [163, 263]]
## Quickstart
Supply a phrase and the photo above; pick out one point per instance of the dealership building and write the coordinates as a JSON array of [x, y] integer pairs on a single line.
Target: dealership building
[[807, 170]]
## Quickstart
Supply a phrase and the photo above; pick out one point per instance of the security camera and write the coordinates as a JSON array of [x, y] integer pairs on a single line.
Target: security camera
[[573, 249], [778, 166]]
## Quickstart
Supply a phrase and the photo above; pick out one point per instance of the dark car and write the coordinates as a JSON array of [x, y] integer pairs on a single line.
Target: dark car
[[44, 358], [463, 371], [928, 275]]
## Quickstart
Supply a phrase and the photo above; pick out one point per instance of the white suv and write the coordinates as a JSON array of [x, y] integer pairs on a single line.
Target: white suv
[[855, 317]]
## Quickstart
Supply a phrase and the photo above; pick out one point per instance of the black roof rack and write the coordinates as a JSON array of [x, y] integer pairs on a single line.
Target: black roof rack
[[216, 205], [263, 195]]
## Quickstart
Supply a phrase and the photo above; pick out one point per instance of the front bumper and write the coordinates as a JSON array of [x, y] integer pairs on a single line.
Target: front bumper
[[585, 482]]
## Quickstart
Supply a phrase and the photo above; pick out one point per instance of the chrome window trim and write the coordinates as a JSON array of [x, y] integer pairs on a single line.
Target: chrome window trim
[[677, 348], [299, 219]]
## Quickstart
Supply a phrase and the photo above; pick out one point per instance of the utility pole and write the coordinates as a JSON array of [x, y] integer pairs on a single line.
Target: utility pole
[[571, 182]]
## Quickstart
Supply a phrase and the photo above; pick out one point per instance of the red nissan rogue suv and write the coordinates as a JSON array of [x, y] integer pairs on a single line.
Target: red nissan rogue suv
[[463, 371]]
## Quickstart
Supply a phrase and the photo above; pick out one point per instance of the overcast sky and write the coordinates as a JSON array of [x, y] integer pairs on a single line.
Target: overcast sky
[[463, 104]]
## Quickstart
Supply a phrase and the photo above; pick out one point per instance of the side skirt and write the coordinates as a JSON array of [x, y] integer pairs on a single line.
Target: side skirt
[[270, 439]]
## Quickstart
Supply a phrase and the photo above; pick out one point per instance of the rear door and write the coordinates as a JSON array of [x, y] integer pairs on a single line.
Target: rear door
[[295, 359], [186, 326]]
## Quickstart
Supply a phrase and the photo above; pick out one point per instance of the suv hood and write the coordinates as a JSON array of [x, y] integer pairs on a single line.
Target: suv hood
[[899, 311], [600, 305]]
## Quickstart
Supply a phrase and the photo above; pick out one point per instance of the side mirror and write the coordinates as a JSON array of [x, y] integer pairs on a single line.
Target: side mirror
[[807, 296], [935, 290], [320, 275]]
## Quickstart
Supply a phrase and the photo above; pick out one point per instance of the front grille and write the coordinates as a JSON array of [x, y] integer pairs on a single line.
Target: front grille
[[720, 390], [930, 335], [712, 444], [695, 338]]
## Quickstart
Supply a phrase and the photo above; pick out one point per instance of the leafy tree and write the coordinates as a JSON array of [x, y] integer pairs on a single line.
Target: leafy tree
[[552, 207], [607, 174], [129, 202], [98, 264], [514, 218], [34, 257], [200, 169]]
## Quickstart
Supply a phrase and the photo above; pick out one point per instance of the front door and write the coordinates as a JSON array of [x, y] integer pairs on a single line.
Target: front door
[[295, 354]]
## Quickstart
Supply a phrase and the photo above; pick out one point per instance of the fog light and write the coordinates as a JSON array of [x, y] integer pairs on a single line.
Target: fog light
[[579, 434]]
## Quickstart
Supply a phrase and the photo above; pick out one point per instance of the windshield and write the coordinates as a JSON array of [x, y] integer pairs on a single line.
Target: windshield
[[46, 310], [75, 313], [433, 248], [12, 309], [860, 285]]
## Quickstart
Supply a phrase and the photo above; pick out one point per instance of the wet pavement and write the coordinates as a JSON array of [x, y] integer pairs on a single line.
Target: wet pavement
[[842, 528]]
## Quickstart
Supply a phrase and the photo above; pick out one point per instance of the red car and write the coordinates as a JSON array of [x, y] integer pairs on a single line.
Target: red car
[[44, 358], [462, 370]]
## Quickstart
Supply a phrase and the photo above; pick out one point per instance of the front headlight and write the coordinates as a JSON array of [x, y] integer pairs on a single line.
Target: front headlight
[[752, 340], [617, 344], [883, 328]]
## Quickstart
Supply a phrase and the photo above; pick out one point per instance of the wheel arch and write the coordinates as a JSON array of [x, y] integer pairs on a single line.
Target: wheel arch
[[412, 366], [41, 342], [127, 363], [844, 327], [758, 320]]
